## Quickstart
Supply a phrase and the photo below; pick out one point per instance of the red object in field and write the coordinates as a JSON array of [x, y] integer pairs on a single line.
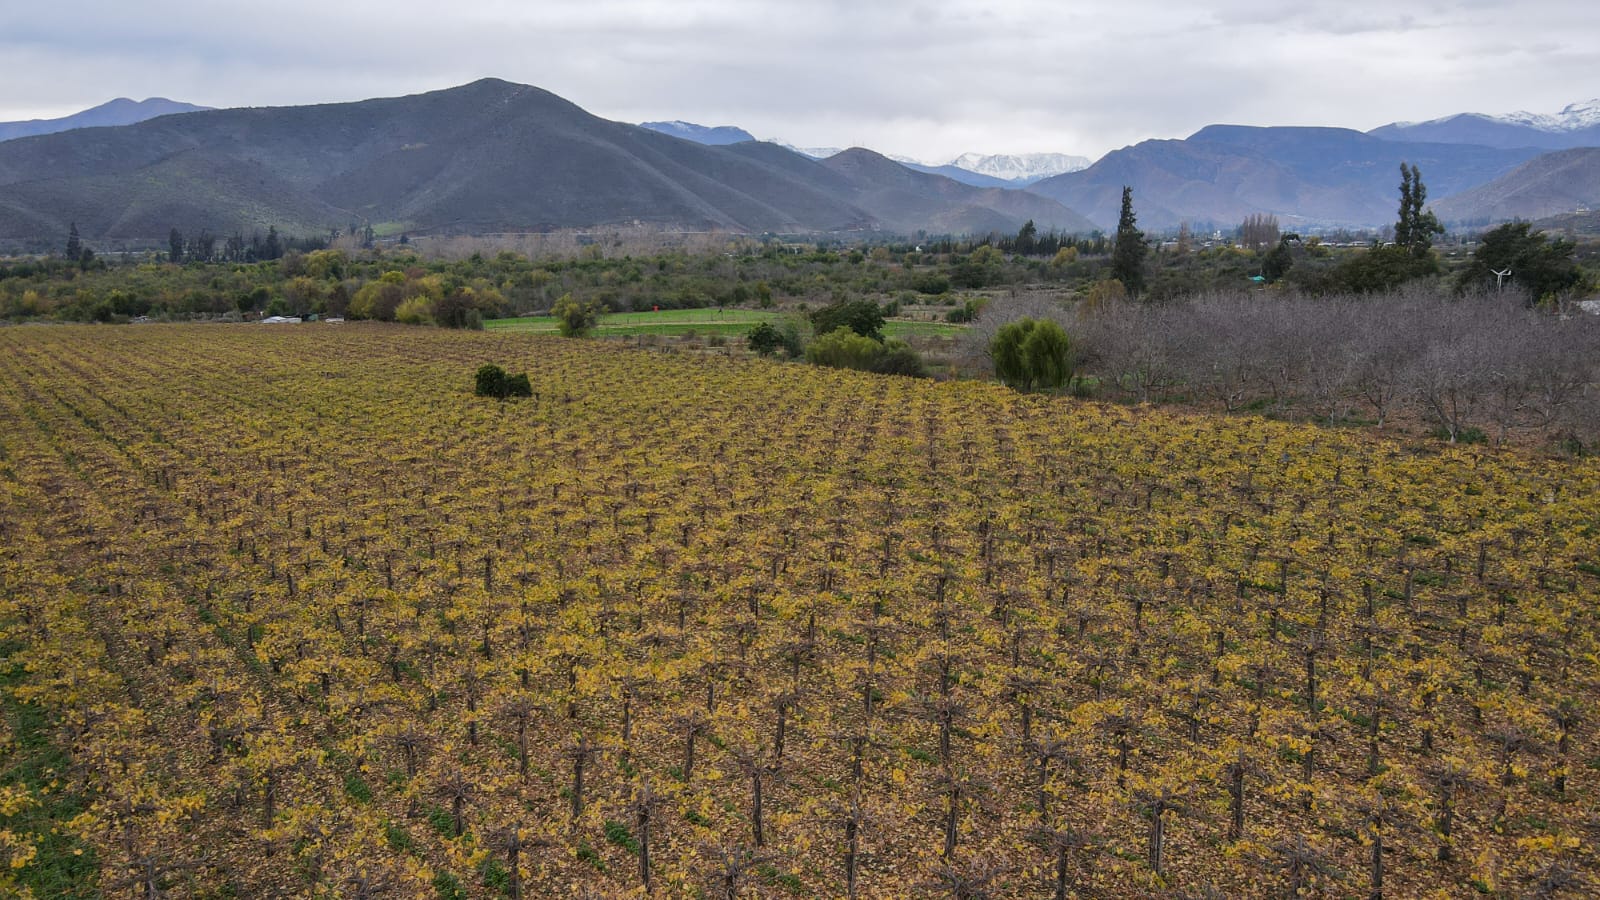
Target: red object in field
[[655, 309]]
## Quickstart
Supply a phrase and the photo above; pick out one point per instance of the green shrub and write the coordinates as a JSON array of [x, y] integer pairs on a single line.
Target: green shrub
[[1032, 354], [897, 358], [844, 349], [764, 340], [574, 318], [967, 311], [794, 331], [492, 381], [930, 283]]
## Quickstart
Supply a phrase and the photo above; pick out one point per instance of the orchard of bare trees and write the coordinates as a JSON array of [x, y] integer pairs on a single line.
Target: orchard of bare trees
[[1481, 367]]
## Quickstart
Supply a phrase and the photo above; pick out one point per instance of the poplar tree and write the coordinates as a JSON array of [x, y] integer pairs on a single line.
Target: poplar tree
[[1415, 229]]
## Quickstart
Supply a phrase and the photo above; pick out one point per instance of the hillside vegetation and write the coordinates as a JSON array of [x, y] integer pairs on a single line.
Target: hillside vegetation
[[486, 157], [289, 611]]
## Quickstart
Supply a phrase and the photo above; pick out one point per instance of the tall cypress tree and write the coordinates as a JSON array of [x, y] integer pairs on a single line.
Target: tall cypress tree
[[1127, 257], [74, 244]]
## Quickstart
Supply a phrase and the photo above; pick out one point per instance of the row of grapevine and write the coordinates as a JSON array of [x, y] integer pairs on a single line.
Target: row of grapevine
[[311, 619]]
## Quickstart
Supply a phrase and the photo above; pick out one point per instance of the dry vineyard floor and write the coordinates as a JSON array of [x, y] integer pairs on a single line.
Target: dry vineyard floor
[[292, 613]]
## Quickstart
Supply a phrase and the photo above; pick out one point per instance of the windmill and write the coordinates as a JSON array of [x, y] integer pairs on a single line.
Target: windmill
[[1500, 278]]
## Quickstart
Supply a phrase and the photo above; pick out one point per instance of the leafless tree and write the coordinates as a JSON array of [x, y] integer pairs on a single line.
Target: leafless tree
[[1258, 230], [1474, 362]]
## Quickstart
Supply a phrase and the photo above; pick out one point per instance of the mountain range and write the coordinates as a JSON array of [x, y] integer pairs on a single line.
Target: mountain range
[[1331, 177], [486, 157], [1025, 167], [120, 111], [976, 169], [1576, 126], [1308, 177], [492, 156], [1000, 170]]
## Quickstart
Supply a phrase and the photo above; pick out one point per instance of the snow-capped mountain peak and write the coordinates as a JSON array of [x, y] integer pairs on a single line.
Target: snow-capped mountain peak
[[1580, 115], [1575, 117], [1024, 168], [1020, 167]]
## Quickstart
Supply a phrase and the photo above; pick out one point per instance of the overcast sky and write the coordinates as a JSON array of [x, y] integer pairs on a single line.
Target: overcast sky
[[923, 79]]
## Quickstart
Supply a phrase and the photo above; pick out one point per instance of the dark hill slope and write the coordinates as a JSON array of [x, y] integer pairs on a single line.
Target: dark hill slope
[[1562, 182], [484, 157], [1343, 159], [535, 161], [1174, 181], [236, 192]]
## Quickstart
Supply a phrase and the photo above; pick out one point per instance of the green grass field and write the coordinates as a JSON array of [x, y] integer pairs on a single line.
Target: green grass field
[[698, 321]]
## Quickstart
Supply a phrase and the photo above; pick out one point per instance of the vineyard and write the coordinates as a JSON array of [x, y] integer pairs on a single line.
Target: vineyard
[[293, 613]]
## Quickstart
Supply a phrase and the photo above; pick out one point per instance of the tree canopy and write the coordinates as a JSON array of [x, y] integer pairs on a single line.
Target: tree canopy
[[864, 317], [1541, 266], [1127, 256], [1414, 230], [1032, 354]]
